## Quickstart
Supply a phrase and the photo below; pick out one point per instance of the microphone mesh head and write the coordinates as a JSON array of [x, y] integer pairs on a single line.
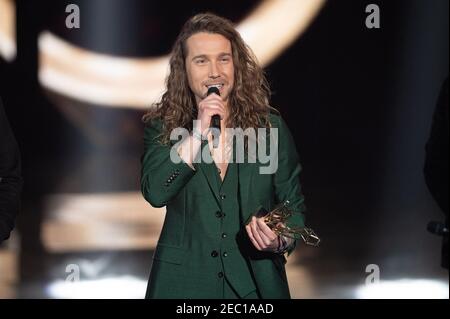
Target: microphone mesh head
[[212, 90]]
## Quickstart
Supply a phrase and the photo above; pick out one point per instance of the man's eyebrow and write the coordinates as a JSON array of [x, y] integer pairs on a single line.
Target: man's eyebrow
[[224, 54], [199, 56]]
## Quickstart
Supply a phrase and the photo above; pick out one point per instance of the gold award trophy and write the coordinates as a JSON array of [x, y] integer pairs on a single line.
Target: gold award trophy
[[277, 220]]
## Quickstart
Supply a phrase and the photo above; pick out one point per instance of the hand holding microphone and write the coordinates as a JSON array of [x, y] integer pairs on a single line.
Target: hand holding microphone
[[215, 120], [210, 111]]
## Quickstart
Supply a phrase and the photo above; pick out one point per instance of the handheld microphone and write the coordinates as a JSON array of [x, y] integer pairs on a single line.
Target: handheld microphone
[[215, 119]]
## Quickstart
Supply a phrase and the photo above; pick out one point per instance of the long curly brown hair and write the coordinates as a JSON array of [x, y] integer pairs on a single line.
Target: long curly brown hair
[[249, 98]]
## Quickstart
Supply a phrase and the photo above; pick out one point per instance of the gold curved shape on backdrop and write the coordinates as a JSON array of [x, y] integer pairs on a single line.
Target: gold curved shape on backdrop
[[136, 83]]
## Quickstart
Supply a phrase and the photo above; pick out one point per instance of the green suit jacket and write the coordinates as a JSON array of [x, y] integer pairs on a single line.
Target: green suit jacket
[[177, 186]]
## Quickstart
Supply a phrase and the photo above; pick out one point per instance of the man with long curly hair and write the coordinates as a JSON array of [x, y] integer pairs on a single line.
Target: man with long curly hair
[[211, 246], [10, 177]]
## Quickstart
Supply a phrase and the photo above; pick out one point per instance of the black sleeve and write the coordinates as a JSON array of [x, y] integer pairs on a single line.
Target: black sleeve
[[436, 161], [10, 177]]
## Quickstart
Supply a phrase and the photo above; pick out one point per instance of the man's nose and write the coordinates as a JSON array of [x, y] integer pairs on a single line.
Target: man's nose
[[214, 71]]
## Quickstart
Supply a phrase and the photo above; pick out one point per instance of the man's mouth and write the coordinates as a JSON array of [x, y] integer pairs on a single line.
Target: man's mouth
[[218, 85]]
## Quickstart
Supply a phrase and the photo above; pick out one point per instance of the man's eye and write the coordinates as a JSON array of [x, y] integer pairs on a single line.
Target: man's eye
[[200, 61], [225, 59]]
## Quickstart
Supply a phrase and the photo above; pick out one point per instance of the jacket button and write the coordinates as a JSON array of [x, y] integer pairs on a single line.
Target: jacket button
[[219, 214], [222, 196], [225, 254], [224, 235], [214, 254], [220, 274]]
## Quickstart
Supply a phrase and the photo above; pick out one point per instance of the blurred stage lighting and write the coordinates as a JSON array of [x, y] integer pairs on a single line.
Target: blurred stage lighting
[[125, 287], [405, 289], [136, 83], [8, 46], [99, 78], [93, 222]]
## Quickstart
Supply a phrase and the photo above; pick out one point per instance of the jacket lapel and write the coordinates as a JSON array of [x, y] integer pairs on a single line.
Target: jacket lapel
[[208, 169], [246, 171]]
